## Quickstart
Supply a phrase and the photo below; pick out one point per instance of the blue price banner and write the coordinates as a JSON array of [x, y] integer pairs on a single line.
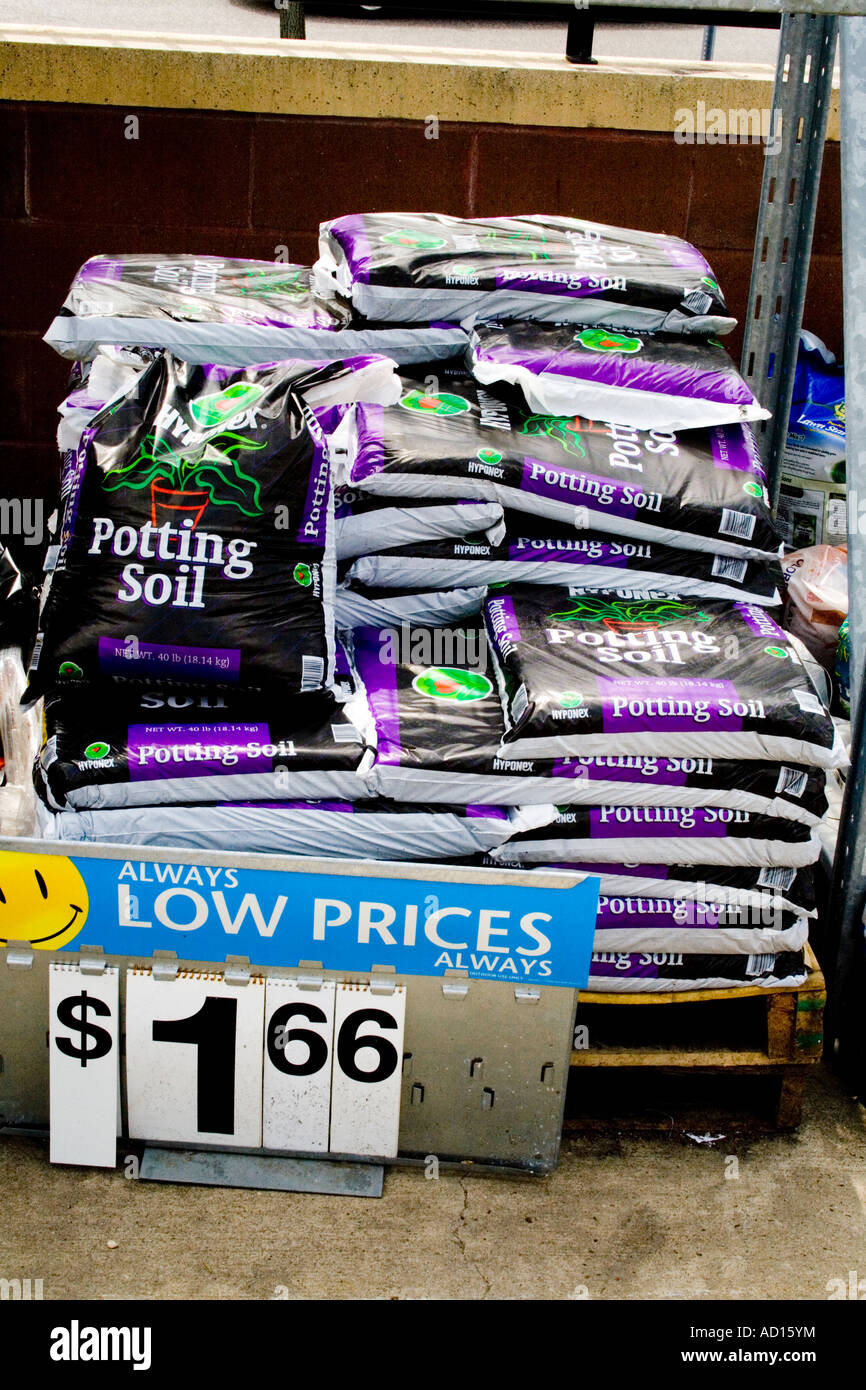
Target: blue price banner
[[523, 932]]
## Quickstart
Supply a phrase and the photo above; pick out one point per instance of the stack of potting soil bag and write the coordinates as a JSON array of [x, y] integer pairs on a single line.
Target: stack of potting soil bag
[[531, 625], [636, 682], [711, 692], [195, 693]]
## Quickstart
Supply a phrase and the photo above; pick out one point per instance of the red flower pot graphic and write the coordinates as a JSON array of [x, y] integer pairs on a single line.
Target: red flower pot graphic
[[622, 625], [170, 504]]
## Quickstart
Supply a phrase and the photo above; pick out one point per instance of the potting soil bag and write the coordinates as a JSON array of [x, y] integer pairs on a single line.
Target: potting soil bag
[[215, 309], [323, 829], [646, 381], [407, 267], [764, 890], [702, 490], [655, 972], [358, 606], [365, 525], [439, 726], [113, 371], [534, 551], [589, 674], [197, 537], [668, 924], [153, 747], [665, 834]]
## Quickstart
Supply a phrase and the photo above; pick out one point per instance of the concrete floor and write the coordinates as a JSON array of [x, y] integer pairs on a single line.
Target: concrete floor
[[622, 1217]]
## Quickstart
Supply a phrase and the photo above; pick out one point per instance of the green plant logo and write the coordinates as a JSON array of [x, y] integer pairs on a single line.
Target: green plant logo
[[443, 403], [599, 340], [303, 575], [527, 244], [452, 683], [618, 615], [753, 489], [415, 241], [264, 282], [488, 456], [97, 750], [711, 284], [565, 429], [70, 670], [776, 651], [208, 473], [210, 411], [570, 699]]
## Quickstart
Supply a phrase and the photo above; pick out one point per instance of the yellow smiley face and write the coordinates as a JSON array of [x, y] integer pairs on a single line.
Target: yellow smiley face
[[43, 900]]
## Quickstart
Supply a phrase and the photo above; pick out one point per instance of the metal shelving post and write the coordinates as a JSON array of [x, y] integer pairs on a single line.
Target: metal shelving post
[[848, 894]]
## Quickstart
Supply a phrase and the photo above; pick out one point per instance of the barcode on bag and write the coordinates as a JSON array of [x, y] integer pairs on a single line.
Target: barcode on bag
[[730, 569], [808, 702], [698, 301], [346, 733], [792, 781], [37, 651], [518, 704], [739, 524], [760, 965], [777, 878], [312, 673]]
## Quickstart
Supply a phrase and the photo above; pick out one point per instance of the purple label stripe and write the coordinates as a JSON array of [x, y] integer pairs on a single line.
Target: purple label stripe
[[379, 679], [646, 706], [616, 823], [197, 750], [760, 622], [593, 772]]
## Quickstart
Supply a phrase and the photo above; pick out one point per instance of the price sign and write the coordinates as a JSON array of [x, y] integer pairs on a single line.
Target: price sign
[[194, 1059], [275, 1064], [83, 1069]]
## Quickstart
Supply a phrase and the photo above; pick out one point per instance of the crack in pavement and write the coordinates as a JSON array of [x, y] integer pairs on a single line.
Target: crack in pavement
[[461, 1219]]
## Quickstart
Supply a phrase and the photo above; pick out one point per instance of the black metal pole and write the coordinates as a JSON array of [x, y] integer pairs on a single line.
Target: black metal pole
[[578, 41], [292, 19]]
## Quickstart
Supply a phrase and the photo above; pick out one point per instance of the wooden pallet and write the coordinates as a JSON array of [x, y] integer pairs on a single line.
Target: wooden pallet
[[760, 1032]]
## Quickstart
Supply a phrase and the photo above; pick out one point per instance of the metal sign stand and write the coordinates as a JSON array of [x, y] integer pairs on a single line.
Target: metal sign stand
[[485, 1067], [262, 1172], [484, 1061]]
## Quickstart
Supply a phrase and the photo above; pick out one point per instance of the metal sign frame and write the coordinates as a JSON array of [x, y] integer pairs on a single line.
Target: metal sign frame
[[485, 1062]]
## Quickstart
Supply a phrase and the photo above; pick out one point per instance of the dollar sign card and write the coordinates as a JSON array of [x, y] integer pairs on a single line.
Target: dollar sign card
[[83, 1071]]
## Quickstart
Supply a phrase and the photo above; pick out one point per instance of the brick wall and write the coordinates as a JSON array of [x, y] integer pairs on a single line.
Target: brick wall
[[240, 185]]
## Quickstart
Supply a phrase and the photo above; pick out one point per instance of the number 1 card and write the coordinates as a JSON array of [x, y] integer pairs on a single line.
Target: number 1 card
[[194, 1059]]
